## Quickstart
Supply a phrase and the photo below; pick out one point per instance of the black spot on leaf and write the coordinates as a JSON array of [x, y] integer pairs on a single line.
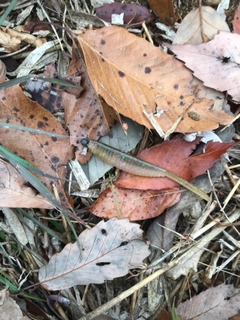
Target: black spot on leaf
[[103, 42], [54, 139], [101, 264], [103, 231], [55, 159], [175, 86], [40, 124], [121, 74], [147, 70]]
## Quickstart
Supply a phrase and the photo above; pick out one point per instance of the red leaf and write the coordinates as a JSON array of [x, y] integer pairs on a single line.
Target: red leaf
[[133, 204], [173, 156]]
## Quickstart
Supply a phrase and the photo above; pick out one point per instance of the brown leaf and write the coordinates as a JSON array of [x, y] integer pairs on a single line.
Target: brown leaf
[[130, 73], [215, 63], [107, 251], [133, 13], [219, 303], [133, 204], [164, 9], [48, 154], [48, 95], [84, 115], [200, 25], [14, 192]]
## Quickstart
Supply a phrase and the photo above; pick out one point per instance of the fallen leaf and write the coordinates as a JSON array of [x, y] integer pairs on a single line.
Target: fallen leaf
[[48, 154], [50, 95], [2, 70], [215, 63], [131, 74], [9, 308], [164, 9], [173, 155], [15, 192], [133, 204], [236, 20], [219, 303], [132, 13], [200, 25], [84, 115], [107, 251]]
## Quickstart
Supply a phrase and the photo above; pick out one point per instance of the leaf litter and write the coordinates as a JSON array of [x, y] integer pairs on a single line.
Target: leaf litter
[[131, 76]]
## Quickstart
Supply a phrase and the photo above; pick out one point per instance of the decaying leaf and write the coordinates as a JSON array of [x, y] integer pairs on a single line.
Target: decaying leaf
[[219, 303], [216, 63], [107, 251], [132, 75], [133, 204], [200, 25], [48, 154], [84, 115]]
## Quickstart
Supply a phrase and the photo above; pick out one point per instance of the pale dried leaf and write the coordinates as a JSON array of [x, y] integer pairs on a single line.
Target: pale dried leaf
[[2, 70], [194, 30], [9, 308], [15, 193], [15, 225], [218, 303], [107, 251], [132, 75], [216, 63]]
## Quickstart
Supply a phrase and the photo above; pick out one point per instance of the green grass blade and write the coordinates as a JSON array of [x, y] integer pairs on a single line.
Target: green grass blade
[[15, 81], [6, 13]]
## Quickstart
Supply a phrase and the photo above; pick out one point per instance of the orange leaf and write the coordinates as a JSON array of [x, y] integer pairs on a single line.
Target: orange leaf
[[132, 75], [173, 156]]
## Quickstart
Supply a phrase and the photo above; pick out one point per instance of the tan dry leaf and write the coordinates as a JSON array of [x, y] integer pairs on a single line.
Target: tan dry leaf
[[19, 37], [14, 192], [107, 251], [130, 73], [8, 42], [199, 26]]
